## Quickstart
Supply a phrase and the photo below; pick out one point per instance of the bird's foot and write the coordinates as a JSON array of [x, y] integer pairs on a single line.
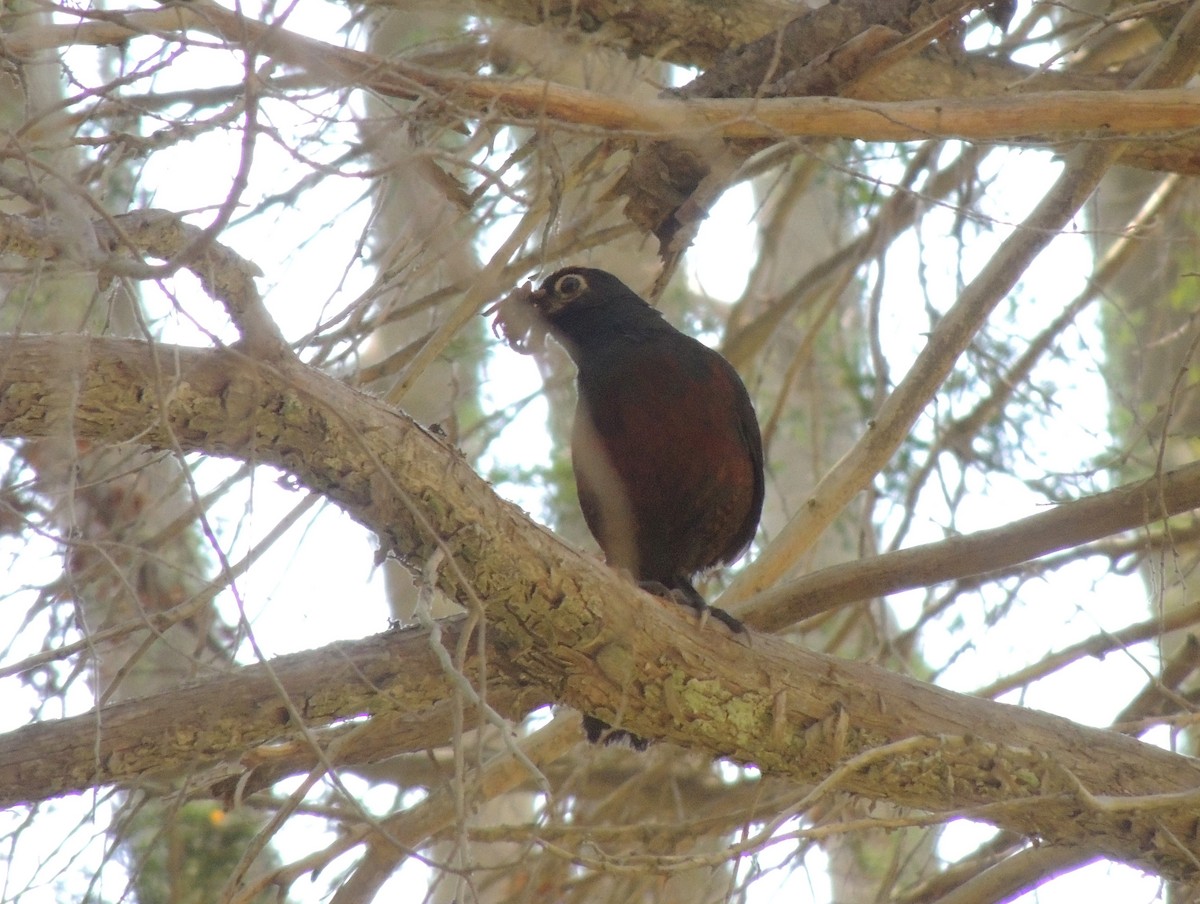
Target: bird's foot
[[694, 601]]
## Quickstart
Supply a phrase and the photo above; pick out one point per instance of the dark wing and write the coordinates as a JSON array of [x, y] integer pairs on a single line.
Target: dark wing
[[751, 437]]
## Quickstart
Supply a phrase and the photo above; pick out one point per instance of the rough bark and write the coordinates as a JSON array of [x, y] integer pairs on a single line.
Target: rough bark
[[567, 628]]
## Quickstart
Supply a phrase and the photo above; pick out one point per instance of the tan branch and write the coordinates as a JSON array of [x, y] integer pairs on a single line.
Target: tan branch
[[226, 276], [1097, 645], [1165, 114], [1065, 526], [179, 731], [687, 32]]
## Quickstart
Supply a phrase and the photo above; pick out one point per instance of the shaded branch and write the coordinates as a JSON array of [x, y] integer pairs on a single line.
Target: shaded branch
[[687, 32], [768, 63]]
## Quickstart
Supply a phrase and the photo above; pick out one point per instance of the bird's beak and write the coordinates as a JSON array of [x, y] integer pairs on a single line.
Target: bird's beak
[[546, 302], [519, 319]]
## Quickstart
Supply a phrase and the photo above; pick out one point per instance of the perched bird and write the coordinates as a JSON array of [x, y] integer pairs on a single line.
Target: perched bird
[[665, 447]]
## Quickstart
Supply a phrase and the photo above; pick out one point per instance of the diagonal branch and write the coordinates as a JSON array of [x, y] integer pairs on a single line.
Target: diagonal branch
[[558, 626]]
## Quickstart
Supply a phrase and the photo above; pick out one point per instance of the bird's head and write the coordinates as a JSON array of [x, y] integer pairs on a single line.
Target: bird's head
[[575, 304], [573, 289]]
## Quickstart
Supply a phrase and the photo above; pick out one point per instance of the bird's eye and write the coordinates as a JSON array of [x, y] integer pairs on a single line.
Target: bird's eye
[[570, 285]]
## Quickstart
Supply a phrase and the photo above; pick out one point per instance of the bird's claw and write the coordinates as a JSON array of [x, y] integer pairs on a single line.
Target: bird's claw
[[696, 603], [733, 624]]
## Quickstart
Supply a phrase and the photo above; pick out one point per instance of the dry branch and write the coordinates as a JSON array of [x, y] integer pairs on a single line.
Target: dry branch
[[190, 728], [1084, 169], [1066, 526], [1162, 115], [900, 410], [558, 626]]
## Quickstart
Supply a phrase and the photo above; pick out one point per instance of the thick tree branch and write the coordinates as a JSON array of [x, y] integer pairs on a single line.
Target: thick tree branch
[[191, 728], [558, 625], [687, 32], [1053, 116], [770, 60]]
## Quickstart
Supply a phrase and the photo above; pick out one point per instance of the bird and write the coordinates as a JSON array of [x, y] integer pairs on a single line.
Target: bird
[[665, 446]]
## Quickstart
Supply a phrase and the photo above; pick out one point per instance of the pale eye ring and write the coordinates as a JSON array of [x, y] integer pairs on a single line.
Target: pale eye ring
[[570, 285]]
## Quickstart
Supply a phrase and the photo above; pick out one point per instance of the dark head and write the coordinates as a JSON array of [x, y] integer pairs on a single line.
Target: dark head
[[588, 308]]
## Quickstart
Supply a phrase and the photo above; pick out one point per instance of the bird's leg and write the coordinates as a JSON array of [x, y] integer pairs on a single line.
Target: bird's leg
[[687, 595]]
